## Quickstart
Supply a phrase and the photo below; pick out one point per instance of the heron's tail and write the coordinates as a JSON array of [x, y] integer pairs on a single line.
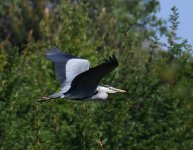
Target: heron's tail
[[54, 96]]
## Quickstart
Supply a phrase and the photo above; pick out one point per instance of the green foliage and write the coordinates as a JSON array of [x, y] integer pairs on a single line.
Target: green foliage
[[156, 111]]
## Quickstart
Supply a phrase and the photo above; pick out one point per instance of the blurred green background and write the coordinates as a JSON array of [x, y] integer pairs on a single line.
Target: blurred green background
[[156, 113]]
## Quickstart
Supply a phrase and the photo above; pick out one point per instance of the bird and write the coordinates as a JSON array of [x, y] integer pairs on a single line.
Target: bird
[[77, 79]]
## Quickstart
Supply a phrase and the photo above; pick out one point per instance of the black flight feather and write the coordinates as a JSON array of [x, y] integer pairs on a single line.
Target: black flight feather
[[85, 84]]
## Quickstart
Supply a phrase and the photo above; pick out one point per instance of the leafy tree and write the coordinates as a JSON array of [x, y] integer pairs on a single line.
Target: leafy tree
[[156, 111]]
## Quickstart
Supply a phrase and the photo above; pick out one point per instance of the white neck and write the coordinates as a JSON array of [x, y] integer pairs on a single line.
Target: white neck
[[101, 93]]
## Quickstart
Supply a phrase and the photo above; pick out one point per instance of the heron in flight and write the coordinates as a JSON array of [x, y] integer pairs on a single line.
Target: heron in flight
[[77, 80]]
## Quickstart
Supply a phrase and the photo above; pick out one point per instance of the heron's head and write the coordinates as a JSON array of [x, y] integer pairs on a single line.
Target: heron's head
[[102, 92], [110, 89]]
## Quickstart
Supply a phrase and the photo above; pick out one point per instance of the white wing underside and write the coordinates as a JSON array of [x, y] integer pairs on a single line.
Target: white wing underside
[[74, 67]]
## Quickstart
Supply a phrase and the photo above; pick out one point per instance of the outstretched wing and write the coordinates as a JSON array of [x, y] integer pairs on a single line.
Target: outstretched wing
[[86, 83], [67, 67]]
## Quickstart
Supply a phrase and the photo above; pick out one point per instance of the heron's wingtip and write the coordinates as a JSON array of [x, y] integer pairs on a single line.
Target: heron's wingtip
[[52, 49], [112, 60]]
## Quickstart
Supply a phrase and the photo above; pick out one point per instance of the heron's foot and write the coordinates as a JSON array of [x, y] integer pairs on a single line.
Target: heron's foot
[[42, 99]]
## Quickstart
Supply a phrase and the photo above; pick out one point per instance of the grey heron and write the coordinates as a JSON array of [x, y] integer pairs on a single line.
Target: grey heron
[[77, 80]]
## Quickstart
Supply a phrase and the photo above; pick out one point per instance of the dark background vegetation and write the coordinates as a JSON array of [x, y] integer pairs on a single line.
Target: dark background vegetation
[[156, 113]]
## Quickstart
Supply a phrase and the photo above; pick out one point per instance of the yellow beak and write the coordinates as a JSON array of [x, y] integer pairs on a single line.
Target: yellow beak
[[117, 90]]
